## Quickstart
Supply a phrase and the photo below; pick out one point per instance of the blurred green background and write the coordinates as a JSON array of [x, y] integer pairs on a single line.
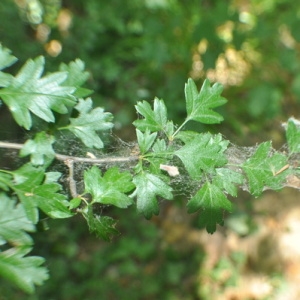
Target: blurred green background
[[136, 50]]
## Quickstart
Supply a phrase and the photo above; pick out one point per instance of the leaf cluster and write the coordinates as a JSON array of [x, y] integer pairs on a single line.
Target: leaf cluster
[[166, 152]]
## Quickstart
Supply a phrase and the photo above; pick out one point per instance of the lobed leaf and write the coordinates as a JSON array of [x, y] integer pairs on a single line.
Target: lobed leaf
[[261, 169], [102, 226], [6, 59], [199, 105], [202, 153], [227, 179], [77, 76], [211, 201], [148, 187], [40, 148], [89, 121], [29, 92], [34, 193], [145, 140], [154, 120], [25, 272], [109, 189], [14, 223], [293, 135]]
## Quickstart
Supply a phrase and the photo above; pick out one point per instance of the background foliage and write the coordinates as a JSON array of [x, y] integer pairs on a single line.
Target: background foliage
[[135, 52]]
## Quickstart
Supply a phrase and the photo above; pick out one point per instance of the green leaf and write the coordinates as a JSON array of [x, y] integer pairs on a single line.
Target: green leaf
[[154, 120], [102, 226], [293, 135], [109, 189], [77, 76], [148, 187], [25, 272], [49, 199], [6, 59], [34, 193], [52, 177], [89, 122], [199, 105], [203, 153], [40, 148], [14, 223], [28, 92], [145, 140], [212, 201], [5, 180], [75, 202], [186, 136], [227, 179], [261, 169], [5, 79]]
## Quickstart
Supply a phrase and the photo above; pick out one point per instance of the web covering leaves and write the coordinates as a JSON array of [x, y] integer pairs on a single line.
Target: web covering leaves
[[202, 153], [261, 169], [102, 226]]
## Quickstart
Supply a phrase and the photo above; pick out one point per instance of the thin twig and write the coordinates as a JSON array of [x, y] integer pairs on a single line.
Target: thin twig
[[281, 170], [63, 157]]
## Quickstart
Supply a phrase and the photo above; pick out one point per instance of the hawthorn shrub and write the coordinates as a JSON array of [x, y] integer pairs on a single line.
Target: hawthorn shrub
[[166, 160]]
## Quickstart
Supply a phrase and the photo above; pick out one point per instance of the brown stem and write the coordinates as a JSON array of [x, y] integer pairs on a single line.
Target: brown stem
[[63, 157]]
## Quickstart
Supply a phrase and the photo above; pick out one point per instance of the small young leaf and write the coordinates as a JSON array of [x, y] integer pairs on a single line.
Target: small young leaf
[[74, 203], [76, 77], [6, 59], [14, 223], [145, 140], [154, 120], [39, 148], [212, 201], [199, 105], [25, 272], [293, 135], [186, 136], [109, 189], [202, 153], [29, 92], [159, 146], [148, 187], [261, 169], [102, 226], [88, 122], [52, 177]]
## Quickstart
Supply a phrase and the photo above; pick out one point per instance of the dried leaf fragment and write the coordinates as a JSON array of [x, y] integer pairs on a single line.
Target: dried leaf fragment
[[293, 181], [172, 170]]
